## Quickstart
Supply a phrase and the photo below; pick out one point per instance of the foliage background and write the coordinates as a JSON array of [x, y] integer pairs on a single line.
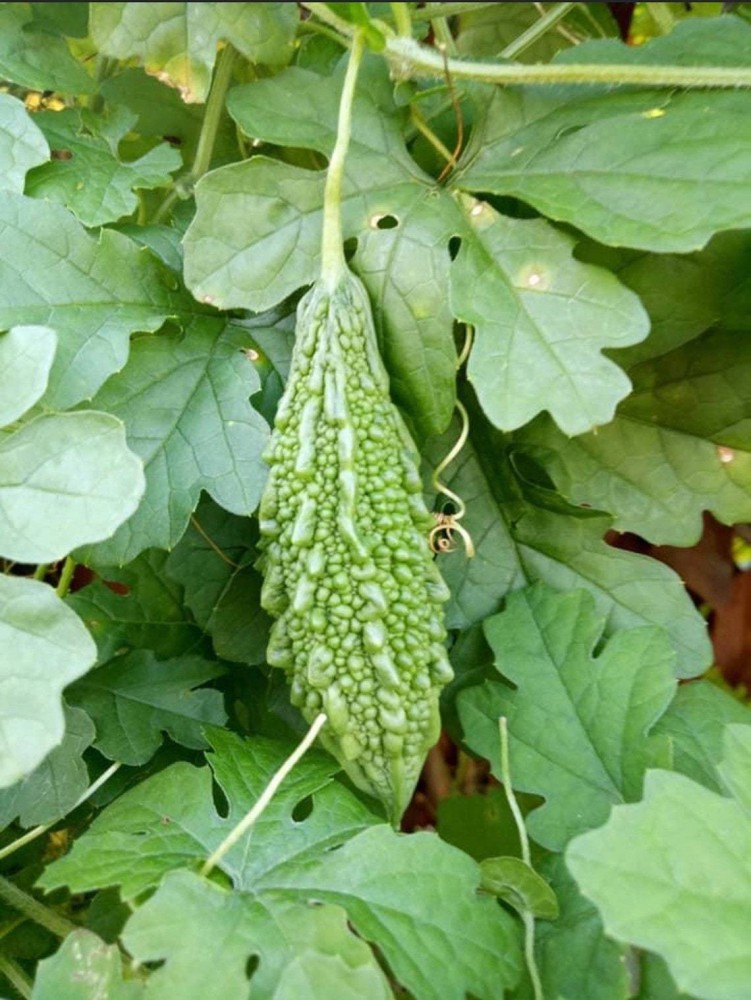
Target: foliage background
[[162, 179]]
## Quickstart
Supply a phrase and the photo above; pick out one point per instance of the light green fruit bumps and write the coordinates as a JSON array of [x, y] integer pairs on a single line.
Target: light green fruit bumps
[[348, 572]]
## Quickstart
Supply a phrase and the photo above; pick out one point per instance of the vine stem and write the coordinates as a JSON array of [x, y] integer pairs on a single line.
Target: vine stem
[[333, 264], [537, 30], [410, 59], [212, 116], [54, 922], [66, 577], [16, 976], [37, 831], [266, 796], [527, 917]]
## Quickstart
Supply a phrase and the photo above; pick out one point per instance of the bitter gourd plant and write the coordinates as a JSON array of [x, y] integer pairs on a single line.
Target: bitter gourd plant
[[348, 571]]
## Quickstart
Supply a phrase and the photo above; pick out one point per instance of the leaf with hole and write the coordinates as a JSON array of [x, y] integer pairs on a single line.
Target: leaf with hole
[[86, 173], [390, 886]]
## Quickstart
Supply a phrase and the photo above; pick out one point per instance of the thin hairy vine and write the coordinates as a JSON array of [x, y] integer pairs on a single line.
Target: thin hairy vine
[[527, 917]]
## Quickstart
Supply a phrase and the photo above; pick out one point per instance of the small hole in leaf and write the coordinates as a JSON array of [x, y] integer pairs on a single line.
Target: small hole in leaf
[[303, 809], [251, 965], [384, 222], [454, 244], [350, 248], [221, 804]]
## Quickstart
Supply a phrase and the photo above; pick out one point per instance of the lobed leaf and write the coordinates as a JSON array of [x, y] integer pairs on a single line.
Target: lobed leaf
[[135, 698], [524, 532], [510, 281], [177, 42], [86, 173], [85, 968], [628, 168], [45, 647], [414, 897], [578, 723], [93, 291], [672, 874], [139, 607], [54, 787], [185, 404], [22, 145], [679, 445]]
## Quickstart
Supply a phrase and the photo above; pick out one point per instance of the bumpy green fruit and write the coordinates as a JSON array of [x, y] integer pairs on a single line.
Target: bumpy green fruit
[[348, 571]]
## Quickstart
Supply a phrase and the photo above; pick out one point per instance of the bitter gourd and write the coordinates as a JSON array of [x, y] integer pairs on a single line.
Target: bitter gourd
[[348, 572]]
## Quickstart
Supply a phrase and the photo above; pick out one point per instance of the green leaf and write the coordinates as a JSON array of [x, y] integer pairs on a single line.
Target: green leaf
[[177, 42], [578, 723], [256, 235], [682, 853], [45, 646], [628, 168], [214, 562], [574, 958], [71, 19], [35, 58], [392, 887], [135, 698], [65, 479], [170, 820], [22, 145], [149, 614], [509, 281], [514, 881], [735, 766], [678, 446], [54, 787], [485, 33], [524, 533], [684, 294], [303, 952], [26, 354], [90, 179], [184, 400], [481, 825], [694, 723], [655, 981], [84, 968], [94, 291]]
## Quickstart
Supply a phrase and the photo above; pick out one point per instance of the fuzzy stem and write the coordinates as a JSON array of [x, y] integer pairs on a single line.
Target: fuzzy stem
[[37, 831], [537, 30], [16, 976], [527, 917], [34, 910], [266, 796], [400, 13], [509, 791], [333, 264], [409, 59]]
